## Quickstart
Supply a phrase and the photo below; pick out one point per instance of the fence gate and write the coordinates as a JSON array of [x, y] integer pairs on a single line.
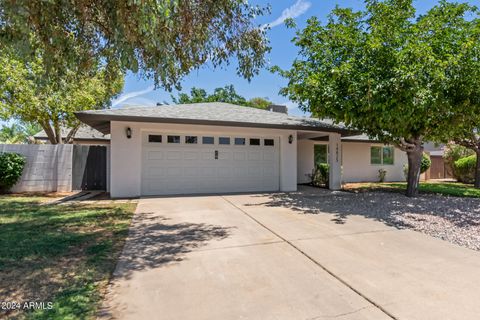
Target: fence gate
[[89, 168]]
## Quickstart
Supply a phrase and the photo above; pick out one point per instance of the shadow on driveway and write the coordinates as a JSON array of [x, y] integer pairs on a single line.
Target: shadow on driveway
[[389, 208], [153, 241]]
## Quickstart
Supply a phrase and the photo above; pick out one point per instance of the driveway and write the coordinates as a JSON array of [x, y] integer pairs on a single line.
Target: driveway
[[272, 256]]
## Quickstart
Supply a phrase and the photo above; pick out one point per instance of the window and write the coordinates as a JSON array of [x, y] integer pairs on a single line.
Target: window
[[240, 141], [388, 155], [154, 138], [191, 139], [208, 140], [173, 139], [254, 142], [320, 152], [268, 142], [382, 155], [224, 140]]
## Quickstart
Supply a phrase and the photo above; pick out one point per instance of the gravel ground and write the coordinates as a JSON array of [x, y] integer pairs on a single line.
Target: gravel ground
[[453, 219]]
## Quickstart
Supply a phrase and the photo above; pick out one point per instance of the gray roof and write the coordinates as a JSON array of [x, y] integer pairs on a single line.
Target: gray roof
[[84, 133], [360, 138], [214, 113]]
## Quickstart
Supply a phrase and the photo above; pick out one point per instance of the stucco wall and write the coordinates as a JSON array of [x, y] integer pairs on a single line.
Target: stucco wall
[[356, 165], [126, 154], [48, 168]]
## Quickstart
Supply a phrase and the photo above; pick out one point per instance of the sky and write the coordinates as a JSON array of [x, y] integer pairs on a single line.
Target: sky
[[140, 92], [267, 85]]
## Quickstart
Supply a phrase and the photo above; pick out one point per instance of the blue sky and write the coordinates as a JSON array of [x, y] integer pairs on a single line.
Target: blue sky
[[266, 84], [140, 92]]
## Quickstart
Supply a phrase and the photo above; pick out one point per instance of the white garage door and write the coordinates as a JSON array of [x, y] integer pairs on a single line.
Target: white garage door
[[193, 163]]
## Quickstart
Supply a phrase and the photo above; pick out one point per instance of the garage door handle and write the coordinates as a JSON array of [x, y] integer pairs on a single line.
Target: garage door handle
[[216, 154]]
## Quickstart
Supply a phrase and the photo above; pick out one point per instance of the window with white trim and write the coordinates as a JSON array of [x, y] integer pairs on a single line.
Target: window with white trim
[[382, 155]]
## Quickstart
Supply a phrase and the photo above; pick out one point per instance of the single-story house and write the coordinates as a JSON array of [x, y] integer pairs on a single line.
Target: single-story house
[[84, 135], [222, 148]]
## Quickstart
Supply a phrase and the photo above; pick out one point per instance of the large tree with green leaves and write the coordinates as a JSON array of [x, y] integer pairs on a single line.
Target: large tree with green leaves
[[397, 76], [18, 133], [161, 39], [30, 95], [226, 94]]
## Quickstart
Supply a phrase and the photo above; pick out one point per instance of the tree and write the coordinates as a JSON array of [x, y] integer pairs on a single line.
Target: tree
[[18, 133], [226, 94], [29, 95], [163, 40], [387, 72]]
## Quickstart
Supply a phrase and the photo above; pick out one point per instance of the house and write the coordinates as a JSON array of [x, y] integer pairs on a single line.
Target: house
[[222, 148], [84, 135]]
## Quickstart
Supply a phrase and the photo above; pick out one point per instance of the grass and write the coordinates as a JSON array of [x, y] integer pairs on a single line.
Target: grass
[[63, 254], [456, 189]]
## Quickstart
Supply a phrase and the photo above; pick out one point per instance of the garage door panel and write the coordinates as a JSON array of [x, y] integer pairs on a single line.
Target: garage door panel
[[155, 171], [190, 172], [155, 155], [268, 155], [190, 155], [239, 156], [174, 155], [174, 171], [183, 168], [254, 155]]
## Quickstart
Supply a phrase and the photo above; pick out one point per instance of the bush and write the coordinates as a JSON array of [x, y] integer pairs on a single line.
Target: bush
[[464, 169], [382, 173], [424, 165], [454, 152], [11, 168], [320, 175]]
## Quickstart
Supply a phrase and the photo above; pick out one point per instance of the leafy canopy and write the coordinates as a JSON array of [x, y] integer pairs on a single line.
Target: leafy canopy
[[226, 94], [18, 133], [28, 93], [397, 76], [162, 39]]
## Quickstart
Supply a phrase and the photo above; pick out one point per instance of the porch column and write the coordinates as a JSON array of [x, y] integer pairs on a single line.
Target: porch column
[[334, 160]]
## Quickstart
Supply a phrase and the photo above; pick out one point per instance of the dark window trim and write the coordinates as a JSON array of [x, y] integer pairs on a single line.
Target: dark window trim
[[171, 135], [155, 135], [256, 145], [196, 139]]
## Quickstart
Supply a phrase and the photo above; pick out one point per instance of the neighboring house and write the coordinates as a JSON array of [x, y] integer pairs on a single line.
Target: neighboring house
[[221, 148], [439, 168], [84, 135]]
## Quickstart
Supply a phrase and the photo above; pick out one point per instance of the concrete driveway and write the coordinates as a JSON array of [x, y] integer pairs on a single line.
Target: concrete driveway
[[265, 257]]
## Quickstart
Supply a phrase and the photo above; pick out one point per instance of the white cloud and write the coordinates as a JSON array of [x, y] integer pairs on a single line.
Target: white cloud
[[296, 10], [127, 96]]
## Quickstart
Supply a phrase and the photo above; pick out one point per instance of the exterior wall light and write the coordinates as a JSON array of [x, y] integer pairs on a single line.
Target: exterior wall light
[[128, 132], [290, 139]]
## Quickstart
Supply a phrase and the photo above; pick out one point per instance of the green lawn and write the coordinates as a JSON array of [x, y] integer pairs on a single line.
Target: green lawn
[[64, 254], [445, 188]]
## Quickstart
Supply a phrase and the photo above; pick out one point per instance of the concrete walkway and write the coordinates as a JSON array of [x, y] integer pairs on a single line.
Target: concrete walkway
[[258, 257]]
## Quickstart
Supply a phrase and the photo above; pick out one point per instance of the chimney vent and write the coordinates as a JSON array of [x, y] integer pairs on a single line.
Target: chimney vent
[[278, 108]]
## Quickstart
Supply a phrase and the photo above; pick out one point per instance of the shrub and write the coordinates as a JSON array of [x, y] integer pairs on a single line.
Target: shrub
[[454, 152], [382, 173], [424, 165], [320, 175], [464, 169], [11, 168]]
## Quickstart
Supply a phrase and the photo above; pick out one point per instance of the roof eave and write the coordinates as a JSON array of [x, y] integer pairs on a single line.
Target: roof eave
[[101, 122]]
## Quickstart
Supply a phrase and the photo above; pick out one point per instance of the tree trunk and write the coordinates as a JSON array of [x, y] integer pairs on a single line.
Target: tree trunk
[[414, 155], [477, 170], [71, 134], [58, 133], [50, 134]]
